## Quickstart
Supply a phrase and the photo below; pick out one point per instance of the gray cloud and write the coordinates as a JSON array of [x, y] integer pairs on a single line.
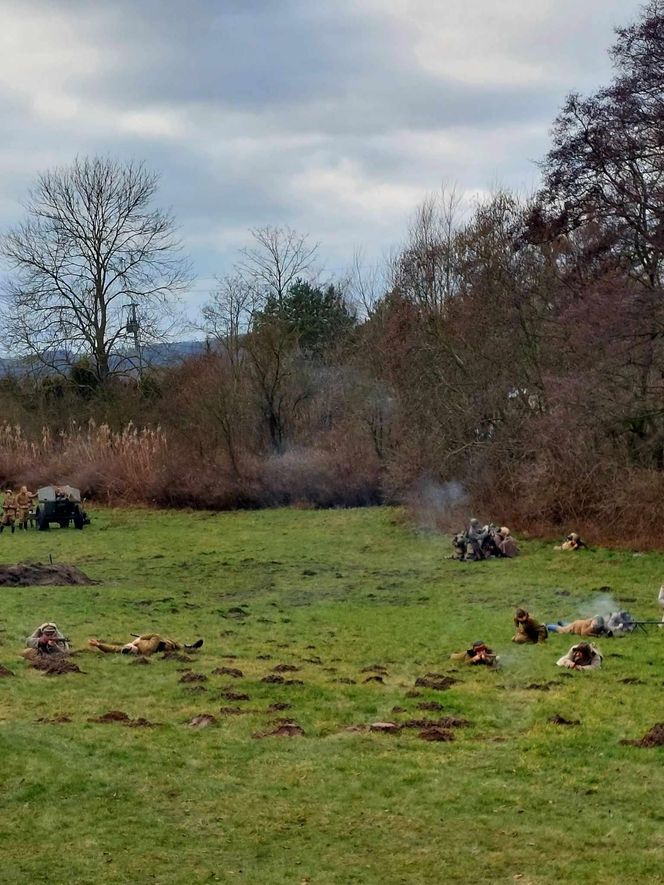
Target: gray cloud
[[336, 118]]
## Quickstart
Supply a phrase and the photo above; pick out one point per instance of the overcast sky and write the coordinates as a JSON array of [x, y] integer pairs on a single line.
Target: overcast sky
[[335, 117]]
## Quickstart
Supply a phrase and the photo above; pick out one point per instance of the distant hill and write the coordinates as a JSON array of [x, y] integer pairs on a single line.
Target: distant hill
[[158, 354]]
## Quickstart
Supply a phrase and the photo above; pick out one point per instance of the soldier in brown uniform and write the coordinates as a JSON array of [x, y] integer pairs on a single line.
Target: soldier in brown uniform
[[146, 644], [24, 500], [478, 653], [8, 511], [584, 627], [527, 628], [46, 640]]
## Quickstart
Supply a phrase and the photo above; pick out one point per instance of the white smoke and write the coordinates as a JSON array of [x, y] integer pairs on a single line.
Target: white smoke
[[435, 505]]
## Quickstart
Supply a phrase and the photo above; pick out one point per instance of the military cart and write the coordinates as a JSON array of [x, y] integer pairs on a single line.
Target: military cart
[[60, 504]]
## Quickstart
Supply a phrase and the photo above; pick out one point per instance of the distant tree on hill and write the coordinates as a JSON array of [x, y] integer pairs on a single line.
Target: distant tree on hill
[[91, 243]]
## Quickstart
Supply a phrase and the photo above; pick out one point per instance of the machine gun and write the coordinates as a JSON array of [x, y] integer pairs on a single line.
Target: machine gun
[[643, 624]]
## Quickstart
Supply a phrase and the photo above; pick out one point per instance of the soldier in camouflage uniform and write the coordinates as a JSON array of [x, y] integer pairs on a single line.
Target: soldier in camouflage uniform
[[146, 645]]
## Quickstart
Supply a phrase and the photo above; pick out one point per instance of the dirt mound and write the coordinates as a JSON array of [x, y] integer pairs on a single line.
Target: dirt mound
[[384, 727], [283, 729], [32, 574], [111, 716], [378, 679], [430, 705], [122, 719], [436, 734], [231, 695], [285, 668], [399, 710], [437, 681], [176, 656], [654, 738], [445, 722], [233, 672], [374, 668], [560, 720], [202, 720], [193, 677], [273, 679], [5, 672], [54, 665], [280, 705]]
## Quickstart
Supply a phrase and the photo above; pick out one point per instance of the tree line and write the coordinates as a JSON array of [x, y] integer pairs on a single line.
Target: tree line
[[515, 350]]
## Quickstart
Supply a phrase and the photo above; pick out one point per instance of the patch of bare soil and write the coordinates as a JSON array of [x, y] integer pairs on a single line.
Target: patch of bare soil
[[58, 719], [193, 677], [233, 672], [429, 705], [231, 695], [560, 720], [273, 679], [654, 738], [374, 668], [285, 668], [54, 665], [5, 672], [280, 705], [284, 728], [263, 657], [436, 734], [315, 660], [202, 720], [33, 574], [176, 656], [378, 679], [437, 681]]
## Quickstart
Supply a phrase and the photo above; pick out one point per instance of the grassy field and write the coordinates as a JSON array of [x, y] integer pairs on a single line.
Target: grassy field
[[512, 798]]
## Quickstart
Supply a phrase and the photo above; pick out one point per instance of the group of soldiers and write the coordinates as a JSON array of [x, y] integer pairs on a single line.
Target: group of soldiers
[[47, 639], [16, 508], [483, 542], [486, 541]]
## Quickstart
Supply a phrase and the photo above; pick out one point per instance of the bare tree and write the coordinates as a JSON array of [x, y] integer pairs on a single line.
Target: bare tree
[[278, 257], [92, 244], [425, 269]]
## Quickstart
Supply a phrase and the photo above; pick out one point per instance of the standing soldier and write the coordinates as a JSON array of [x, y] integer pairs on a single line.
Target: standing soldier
[[24, 500], [9, 511]]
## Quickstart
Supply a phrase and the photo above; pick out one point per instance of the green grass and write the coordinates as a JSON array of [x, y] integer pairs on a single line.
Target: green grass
[[512, 798]]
